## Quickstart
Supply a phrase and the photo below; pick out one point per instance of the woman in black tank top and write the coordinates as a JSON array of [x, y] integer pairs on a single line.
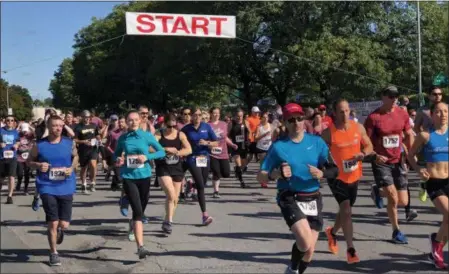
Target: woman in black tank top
[[169, 170]]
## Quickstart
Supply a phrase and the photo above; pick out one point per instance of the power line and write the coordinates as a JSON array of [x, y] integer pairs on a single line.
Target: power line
[[51, 58], [318, 62], [238, 38]]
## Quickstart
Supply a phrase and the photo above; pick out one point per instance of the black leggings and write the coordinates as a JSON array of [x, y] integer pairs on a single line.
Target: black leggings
[[138, 193], [200, 175], [220, 168], [23, 170]]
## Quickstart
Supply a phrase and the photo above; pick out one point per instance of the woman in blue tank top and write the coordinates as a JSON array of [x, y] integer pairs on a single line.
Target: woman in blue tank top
[[435, 146]]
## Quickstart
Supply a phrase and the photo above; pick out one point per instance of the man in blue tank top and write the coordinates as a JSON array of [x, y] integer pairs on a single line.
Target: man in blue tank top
[[55, 158]]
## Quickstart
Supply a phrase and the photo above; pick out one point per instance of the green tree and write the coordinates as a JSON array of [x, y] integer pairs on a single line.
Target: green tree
[[61, 87], [19, 100]]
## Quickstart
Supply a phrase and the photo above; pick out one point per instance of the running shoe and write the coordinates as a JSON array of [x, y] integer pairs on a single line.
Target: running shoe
[[60, 236], [216, 195], [167, 227], [35, 204], [9, 200], [289, 270], [436, 248], [143, 252], [92, 188], [439, 264], [131, 236], [124, 205], [54, 259], [399, 238], [242, 184], [352, 256], [84, 189], [331, 241], [423, 193], [145, 219], [410, 216], [375, 195], [207, 220], [264, 185], [194, 197]]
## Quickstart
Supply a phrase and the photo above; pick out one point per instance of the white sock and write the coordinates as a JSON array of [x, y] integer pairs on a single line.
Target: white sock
[[84, 183], [93, 183]]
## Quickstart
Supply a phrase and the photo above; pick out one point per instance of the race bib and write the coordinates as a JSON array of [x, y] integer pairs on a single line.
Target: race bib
[[350, 166], [8, 154], [217, 150], [57, 174], [264, 145], [132, 162], [93, 142], [201, 161], [391, 141], [25, 155], [171, 159], [308, 208], [239, 139]]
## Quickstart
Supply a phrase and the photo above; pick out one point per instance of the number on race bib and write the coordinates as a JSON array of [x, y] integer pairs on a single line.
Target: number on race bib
[[132, 162], [308, 208], [391, 141], [8, 154], [57, 174], [25, 155], [217, 150], [350, 165], [201, 161], [239, 139], [171, 159]]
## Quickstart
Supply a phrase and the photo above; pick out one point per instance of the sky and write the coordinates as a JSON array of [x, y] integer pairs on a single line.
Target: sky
[[33, 31]]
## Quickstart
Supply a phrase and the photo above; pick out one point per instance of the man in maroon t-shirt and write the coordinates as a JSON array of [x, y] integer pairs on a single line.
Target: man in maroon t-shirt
[[389, 128]]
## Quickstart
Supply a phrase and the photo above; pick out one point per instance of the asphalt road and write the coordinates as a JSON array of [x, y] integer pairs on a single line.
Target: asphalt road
[[248, 235]]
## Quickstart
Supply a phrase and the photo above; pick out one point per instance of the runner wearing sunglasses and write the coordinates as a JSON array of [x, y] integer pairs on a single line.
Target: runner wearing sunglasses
[[298, 184]]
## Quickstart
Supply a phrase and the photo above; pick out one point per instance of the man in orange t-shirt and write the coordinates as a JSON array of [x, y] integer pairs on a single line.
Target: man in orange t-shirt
[[253, 122]]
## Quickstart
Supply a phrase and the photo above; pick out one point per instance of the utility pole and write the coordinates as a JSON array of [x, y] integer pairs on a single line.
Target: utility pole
[[421, 99]]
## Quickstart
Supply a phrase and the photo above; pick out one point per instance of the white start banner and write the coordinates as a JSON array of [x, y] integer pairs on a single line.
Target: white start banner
[[216, 26], [363, 109]]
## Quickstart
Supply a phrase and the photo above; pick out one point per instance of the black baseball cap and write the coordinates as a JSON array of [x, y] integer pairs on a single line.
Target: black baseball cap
[[390, 91]]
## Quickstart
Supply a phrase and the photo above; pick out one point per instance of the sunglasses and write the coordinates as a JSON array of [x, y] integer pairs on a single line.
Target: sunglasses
[[437, 94], [144, 113], [392, 96], [9, 120], [295, 119], [186, 113]]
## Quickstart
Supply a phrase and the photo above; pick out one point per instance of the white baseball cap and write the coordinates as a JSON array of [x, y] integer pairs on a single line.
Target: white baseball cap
[[255, 109], [25, 127]]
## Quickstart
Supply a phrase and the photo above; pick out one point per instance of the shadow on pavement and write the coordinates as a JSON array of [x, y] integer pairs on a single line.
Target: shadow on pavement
[[23, 255], [258, 236], [260, 215], [230, 256], [79, 222]]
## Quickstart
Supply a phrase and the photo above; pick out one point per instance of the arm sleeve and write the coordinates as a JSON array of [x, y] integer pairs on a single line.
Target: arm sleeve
[[160, 151], [271, 161]]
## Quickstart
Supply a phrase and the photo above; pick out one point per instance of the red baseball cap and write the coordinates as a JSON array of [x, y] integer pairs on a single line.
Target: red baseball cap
[[291, 109], [160, 119], [322, 107]]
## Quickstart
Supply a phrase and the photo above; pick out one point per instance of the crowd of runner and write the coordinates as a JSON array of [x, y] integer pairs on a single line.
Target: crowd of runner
[[297, 148]]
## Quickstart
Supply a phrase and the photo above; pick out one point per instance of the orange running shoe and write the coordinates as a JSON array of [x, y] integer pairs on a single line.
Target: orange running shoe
[[332, 241], [352, 256]]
